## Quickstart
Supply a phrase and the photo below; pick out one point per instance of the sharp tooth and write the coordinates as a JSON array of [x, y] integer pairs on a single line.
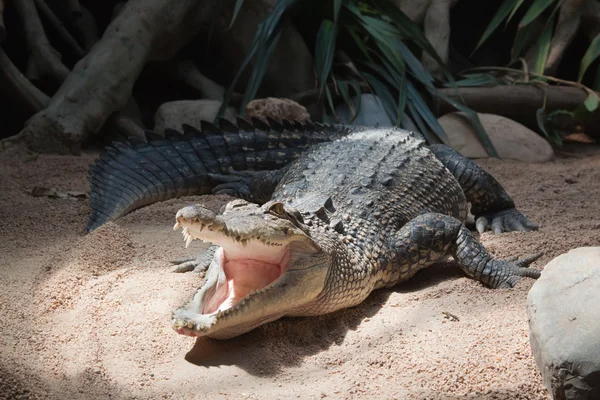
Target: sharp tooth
[[176, 226], [219, 313], [201, 227], [188, 240], [185, 230]]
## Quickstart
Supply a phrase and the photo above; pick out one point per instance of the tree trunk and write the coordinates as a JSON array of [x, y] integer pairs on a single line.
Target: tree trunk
[[521, 102], [2, 27], [101, 82]]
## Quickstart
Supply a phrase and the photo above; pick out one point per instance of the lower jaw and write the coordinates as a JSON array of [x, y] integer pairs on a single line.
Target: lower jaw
[[190, 332]]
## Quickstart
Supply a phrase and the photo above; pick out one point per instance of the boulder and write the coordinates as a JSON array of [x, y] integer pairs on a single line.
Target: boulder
[[278, 109], [371, 112], [563, 307], [175, 113], [511, 139]]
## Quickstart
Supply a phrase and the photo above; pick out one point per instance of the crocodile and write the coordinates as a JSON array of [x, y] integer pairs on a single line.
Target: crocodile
[[358, 209]]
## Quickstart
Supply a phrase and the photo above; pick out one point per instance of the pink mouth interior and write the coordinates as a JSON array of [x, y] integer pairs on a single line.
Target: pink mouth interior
[[243, 276]]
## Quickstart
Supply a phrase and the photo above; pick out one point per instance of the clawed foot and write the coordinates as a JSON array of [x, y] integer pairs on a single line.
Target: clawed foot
[[513, 268], [504, 221], [198, 265]]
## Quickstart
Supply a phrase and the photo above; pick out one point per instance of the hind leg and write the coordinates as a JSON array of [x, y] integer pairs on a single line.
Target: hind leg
[[490, 204]]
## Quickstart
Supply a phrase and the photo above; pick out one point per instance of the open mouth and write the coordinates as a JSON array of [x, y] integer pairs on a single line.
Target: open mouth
[[265, 267], [244, 266]]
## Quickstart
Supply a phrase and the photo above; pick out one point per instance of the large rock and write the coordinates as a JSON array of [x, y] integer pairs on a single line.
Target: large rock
[[175, 113], [371, 112], [564, 321], [511, 139]]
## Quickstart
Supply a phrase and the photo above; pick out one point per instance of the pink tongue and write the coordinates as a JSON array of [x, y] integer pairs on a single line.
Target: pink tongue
[[244, 276]]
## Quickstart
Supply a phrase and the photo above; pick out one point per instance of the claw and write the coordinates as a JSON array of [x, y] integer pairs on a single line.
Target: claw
[[181, 260], [184, 267], [508, 220], [198, 264], [526, 261], [482, 224]]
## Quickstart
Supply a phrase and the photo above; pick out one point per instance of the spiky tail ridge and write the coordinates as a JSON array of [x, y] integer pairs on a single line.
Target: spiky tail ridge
[[135, 173]]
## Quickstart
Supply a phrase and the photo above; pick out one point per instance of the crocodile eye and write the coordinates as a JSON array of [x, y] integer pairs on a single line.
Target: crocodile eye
[[277, 209]]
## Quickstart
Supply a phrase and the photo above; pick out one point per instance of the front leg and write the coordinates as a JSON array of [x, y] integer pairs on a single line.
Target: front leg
[[198, 264], [429, 237], [490, 204]]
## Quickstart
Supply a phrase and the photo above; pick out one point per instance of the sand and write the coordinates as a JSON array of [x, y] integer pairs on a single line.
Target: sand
[[88, 316]]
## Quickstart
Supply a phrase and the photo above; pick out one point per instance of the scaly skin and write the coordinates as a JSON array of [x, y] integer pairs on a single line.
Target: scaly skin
[[133, 174], [363, 212]]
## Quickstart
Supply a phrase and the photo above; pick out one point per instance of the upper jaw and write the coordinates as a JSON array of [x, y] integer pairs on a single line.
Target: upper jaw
[[241, 222]]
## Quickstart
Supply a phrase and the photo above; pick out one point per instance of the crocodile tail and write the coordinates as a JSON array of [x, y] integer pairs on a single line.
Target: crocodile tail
[[136, 173]]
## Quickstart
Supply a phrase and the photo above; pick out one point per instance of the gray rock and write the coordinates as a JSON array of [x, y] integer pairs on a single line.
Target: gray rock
[[564, 320], [371, 112], [175, 113], [511, 139]]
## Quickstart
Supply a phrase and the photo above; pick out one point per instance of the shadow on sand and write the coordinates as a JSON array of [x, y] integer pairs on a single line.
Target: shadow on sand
[[286, 342]]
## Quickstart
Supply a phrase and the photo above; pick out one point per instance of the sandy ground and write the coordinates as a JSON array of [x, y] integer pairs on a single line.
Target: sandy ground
[[88, 316]]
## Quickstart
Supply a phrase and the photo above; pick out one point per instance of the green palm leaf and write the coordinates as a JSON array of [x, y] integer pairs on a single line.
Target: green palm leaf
[[507, 7], [534, 11], [543, 48], [589, 57], [236, 11]]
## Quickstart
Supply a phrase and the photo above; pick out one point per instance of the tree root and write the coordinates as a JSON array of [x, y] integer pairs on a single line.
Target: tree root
[[60, 28], [569, 21], [434, 16], [436, 26], [44, 61], [185, 71], [2, 27], [126, 126], [514, 99], [521, 102], [75, 7], [87, 28], [101, 83], [18, 88]]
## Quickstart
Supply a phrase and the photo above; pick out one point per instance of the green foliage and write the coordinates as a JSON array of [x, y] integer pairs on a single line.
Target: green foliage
[[542, 13], [542, 119], [267, 36], [507, 9], [589, 57], [381, 43]]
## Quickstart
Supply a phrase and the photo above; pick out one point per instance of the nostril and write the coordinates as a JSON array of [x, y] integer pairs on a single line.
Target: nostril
[[196, 212]]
